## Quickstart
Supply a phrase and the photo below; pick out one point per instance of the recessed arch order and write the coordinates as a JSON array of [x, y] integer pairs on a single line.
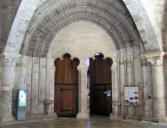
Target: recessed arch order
[[46, 23]]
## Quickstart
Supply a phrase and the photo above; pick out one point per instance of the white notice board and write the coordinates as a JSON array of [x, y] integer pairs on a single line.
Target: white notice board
[[131, 95]]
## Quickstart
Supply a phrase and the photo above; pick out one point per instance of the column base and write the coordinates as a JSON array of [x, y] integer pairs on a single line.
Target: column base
[[116, 114], [39, 116], [112, 116], [7, 119], [163, 120], [51, 115], [149, 118], [82, 115]]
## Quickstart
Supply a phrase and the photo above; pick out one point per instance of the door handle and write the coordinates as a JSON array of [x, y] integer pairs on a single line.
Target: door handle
[[108, 92]]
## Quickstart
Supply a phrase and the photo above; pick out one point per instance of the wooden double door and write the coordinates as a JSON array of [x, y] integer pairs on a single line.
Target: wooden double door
[[66, 86], [100, 86]]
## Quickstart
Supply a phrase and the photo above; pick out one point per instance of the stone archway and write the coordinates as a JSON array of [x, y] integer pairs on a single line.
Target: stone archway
[[38, 6], [115, 23], [83, 42], [111, 16]]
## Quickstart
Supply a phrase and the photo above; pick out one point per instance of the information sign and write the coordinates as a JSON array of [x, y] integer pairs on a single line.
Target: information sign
[[21, 107], [131, 95], [22, 98]]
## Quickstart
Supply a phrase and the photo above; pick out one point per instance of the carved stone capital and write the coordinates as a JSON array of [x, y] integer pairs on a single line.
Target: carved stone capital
[[129, 61], [155, 59], [122, 60], [115, 63], [8, 59]]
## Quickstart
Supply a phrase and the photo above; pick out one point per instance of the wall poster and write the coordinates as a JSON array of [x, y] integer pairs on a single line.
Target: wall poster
[[131, 95]]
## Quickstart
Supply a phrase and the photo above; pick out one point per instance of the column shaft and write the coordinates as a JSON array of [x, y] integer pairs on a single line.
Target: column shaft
[[7, 78], [83, 112]]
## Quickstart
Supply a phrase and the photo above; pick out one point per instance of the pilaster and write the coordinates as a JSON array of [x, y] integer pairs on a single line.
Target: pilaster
[[148, 89], [116, 103], [130, 75], [7, 79], [123, 80], [159, 88], [83, 109]]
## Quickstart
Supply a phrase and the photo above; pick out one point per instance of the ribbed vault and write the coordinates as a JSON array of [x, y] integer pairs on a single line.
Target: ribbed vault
[[53, 16]]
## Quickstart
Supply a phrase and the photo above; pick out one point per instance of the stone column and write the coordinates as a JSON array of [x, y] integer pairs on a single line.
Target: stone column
[[130, 75], [83, 109], [122, 79], [20, 75], [49, 85], [159, 89], [116, 103], [7, 78], [138, 81], [148, 90], [20, 81]]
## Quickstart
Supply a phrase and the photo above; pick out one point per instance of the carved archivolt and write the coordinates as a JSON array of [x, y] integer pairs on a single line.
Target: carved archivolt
[[111, 16]]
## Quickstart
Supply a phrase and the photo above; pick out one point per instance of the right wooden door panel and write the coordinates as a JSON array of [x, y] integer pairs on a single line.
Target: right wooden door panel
[[101, 100], [100, 86]]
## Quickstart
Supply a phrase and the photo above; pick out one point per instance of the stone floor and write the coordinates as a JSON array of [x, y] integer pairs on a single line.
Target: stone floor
[[93, 122]]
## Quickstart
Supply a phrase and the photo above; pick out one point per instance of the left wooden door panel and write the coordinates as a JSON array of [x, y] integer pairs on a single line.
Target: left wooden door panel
[[66, 100], [66, 86]]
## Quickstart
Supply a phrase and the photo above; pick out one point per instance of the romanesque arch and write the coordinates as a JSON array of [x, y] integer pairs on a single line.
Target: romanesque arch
[[111, 16], [49, 18]]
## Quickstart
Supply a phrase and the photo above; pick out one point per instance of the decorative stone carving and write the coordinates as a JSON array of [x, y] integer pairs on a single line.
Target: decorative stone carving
[[7, 61], [93, 11], [157, 60]]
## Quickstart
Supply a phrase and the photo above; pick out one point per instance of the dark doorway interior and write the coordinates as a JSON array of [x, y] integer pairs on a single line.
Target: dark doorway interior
[[66, 86], [100, 85]]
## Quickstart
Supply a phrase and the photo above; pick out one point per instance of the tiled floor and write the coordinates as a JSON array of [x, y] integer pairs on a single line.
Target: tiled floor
[[93, 122]]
